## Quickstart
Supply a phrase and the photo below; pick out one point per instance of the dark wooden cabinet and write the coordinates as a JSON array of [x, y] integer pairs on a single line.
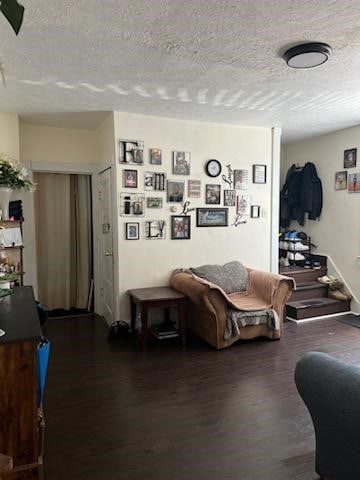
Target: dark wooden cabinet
[[21, 420]]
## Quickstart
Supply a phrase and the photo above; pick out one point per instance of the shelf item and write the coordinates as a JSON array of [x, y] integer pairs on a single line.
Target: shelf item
[[11, 232], [161, 335]]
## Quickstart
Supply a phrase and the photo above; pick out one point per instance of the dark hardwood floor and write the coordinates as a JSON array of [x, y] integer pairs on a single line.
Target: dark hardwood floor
[[170, 414]]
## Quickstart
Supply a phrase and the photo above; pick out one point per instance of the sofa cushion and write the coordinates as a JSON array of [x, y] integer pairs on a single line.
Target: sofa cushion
[[231, 277]]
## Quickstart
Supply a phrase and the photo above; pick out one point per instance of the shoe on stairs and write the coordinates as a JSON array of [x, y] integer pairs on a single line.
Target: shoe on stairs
[[325, 279], [338, 295]]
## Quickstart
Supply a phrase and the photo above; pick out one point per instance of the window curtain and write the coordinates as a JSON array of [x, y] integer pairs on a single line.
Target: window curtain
[[64, 239]]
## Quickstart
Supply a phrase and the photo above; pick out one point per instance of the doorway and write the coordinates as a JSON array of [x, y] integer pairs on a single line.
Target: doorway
[[64, 239]]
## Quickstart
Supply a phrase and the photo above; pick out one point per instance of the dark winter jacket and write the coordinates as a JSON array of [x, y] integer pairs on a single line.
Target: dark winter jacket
[[301, 193], [311, 192]]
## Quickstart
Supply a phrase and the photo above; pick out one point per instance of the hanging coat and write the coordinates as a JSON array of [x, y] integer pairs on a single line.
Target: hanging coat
[[311, 199]]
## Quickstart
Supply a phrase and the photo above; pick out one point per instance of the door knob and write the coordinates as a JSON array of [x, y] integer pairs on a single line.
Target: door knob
[[108, 254]]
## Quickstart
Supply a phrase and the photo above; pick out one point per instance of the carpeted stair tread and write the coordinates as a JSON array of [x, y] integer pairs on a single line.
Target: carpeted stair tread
[[314, 302], [296, 269], [310, 285]]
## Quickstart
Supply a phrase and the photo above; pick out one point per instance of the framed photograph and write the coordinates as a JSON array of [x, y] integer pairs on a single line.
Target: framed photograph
[[211, 217], [155, 156], [155, 230], [155, 181], [243, 205], [132, 204], [255, 211], [212, 194], [130, 178], [229, 198], [154, 202], [175, 191], [194, 188], [259, 173], [131, 151], [132, 231], [180, 227], [181, 163], [340, 180], [354, 183], [350, 158], [241, 179]]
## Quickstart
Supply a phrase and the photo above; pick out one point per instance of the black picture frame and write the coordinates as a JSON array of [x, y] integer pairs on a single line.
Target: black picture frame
[[255, 211], [132, 230], [130, 179], [175, 191], [350, 158], [180, 227], [259, 173], [212, 217], [212, 194]]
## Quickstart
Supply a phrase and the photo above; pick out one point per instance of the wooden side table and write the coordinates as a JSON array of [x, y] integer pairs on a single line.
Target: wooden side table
[[157, 297]]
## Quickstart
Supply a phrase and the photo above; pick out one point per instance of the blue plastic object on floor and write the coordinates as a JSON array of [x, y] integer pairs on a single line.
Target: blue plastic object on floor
[[43, 360]]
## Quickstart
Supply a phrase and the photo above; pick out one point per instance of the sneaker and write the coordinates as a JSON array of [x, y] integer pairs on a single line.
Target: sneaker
[[316, 265], [300, 246], [286, 262], [302, 235], [283, 245], [290, 256], [337, 295], [293, 236], [336, 284], [308, 264], [299, 257], [324, 279]]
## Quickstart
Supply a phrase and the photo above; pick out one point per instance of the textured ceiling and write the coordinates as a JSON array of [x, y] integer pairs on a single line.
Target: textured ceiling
[[210, 60]]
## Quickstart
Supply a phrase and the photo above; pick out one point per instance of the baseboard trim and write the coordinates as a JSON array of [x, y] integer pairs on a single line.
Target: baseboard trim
[[322, 317]]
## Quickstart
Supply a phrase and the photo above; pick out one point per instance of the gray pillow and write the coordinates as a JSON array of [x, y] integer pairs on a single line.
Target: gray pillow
[[231, 277]]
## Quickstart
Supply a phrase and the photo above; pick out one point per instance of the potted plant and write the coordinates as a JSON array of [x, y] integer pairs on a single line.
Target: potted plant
[[13, 176]]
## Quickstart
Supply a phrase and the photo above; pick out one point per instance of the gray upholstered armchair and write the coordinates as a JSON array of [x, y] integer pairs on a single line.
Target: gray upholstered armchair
[[330, 389]]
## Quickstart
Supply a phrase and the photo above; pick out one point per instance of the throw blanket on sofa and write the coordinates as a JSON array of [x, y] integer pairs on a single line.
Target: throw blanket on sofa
[[237, 319]]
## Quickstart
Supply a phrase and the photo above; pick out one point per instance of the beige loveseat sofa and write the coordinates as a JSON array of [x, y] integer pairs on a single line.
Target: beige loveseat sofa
[[208, 306]]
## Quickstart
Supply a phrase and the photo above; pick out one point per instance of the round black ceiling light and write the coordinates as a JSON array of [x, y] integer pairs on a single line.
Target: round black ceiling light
[[307, 55]]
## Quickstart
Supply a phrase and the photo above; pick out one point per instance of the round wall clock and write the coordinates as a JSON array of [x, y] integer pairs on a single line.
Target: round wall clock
[[213, 168]]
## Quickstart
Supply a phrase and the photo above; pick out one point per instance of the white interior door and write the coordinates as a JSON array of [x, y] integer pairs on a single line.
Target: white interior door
[[106, 247]]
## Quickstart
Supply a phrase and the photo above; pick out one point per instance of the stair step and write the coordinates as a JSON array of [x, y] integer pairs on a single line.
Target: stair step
[[303, 275], [315, 307], [308, 290]]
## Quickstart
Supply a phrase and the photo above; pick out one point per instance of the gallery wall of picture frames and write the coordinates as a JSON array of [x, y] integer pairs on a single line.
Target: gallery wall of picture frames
[[148, 190], [348, 179]]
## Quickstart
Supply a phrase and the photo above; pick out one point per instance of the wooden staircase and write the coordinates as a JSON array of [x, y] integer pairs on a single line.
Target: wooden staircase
[[310, 299]]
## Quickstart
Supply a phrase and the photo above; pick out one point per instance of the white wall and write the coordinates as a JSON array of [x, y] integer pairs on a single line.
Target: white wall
[[58, 145], [337, 234], [146, 263], [106, 141], [9, 134]]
